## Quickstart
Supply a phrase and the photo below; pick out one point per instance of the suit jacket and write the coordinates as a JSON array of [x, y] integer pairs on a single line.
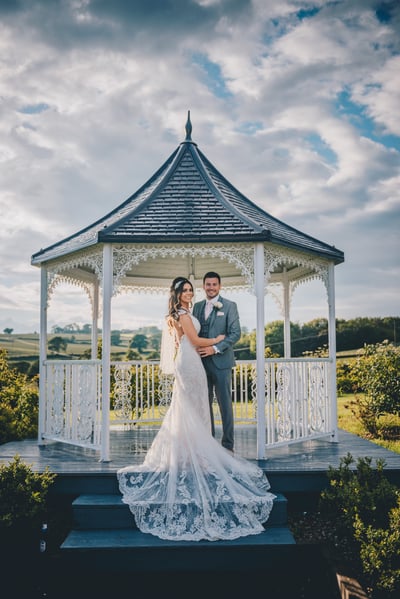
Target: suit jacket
[[224, 320]]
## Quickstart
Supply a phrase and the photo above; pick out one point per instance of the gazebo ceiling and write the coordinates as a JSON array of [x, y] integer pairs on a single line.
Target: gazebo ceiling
[[186, 203]]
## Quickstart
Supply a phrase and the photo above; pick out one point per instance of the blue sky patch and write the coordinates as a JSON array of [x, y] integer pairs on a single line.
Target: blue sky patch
[[249, 127], [306, 13], [318, 145], [213, 77], [366, 126], [383, 11], [34, 108]]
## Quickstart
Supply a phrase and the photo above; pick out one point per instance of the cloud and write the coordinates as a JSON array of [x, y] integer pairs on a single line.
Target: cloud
[[295, 105]]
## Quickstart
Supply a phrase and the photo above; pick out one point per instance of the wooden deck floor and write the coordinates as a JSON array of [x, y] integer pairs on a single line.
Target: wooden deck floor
[[129, 447]]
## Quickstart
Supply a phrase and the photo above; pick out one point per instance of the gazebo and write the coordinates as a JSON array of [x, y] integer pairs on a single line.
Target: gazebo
[[186, 219]]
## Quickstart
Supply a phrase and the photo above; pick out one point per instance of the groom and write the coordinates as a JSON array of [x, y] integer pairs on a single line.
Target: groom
[[217, 316]]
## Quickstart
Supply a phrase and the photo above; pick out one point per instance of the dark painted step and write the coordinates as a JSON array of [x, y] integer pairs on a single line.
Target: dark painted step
[[285, 481], [130, 550], [108, 511]]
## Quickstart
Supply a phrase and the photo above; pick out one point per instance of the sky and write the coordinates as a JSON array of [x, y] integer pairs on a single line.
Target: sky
[[296, 103]]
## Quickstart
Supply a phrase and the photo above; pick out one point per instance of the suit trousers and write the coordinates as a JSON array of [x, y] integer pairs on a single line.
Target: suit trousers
[[220, 379]]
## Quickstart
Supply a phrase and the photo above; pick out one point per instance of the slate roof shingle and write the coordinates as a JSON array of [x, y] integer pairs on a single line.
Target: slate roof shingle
[[188, 200]]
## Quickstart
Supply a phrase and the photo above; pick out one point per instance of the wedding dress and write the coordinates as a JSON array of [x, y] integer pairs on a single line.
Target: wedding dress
[[189, 487]]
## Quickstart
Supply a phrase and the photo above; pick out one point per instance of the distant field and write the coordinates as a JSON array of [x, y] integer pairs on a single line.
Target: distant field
[[25, 347]]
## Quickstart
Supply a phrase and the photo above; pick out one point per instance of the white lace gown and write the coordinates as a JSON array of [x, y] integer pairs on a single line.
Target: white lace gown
[[189, 487]]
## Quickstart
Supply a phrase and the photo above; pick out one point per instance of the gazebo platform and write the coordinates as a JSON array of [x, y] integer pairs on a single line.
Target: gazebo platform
[[295, 468]]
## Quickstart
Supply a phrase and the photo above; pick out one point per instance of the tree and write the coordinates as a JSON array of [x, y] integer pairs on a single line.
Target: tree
[[56, 330], [57, 343], [155, 341], [274, 336], [138, 342], [115, 337], [132, 354], [8, 331]]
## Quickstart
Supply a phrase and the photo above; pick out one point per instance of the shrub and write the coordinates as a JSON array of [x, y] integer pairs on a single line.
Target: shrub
[[344, 378], [360, 490], [376, 373], [364, 509], [23, 495], [19, 403], [380, 554]]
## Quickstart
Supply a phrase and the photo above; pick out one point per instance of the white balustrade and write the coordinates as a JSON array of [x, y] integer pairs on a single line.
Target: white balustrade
[[73, 408], [297, 398]]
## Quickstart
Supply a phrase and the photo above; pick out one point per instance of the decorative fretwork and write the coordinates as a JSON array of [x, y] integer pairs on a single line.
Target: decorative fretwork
[[284, 399], [317, 268], [165, 388], [242, 256], [73, 402], [84, 267], [297, 402], [67, 271], [317, 398], [123, 390]]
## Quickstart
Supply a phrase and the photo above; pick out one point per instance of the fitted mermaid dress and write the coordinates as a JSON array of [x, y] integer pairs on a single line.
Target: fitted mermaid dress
[[189, 487]]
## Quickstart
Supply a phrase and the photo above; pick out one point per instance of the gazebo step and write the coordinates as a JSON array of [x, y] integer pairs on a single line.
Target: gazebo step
[[128, 549], [106, 511]]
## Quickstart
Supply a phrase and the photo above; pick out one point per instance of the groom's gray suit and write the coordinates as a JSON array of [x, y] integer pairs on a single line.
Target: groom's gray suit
[[223, 320]]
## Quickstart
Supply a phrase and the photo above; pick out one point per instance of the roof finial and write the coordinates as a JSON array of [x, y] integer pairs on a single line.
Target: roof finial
[[188, 128]]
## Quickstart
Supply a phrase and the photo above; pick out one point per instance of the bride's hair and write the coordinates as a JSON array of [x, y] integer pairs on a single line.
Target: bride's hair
[[174, 298]]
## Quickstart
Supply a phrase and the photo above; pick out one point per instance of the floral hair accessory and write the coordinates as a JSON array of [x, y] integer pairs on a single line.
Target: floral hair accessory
[[179, 283], [218, 305]]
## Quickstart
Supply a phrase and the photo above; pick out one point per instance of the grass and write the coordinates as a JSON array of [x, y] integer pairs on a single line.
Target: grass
[[348, 422]]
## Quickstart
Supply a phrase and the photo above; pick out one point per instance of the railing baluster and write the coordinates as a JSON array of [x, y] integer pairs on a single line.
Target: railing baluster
[[297, 397]]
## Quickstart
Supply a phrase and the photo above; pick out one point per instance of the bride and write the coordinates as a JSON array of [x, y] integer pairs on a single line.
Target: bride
[[189, 487]]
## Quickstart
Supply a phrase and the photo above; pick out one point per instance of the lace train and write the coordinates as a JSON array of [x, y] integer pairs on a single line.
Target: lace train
[[189, 487]]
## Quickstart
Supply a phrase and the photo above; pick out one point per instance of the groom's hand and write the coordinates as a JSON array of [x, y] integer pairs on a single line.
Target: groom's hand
[[206, 351]]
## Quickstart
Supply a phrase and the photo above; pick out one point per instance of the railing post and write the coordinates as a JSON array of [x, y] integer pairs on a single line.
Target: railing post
[[286, 315], [95, 319], [332, 350], [260, 348], [106, 348], [42, 355]]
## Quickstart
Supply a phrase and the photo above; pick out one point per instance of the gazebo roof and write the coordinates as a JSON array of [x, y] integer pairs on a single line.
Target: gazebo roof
[[188, 201]]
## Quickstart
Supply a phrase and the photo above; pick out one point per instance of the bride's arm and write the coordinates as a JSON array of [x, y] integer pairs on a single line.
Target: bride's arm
[[190, 332]]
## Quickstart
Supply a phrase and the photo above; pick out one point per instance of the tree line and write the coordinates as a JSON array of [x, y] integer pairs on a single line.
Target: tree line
[[313, 335], [306, 338]]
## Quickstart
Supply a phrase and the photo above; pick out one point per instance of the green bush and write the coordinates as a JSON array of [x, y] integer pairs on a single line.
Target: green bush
[[363, 507], [23, 495], [376, 373], [344, 377], [360, 490], [380, 554], [19, 403]]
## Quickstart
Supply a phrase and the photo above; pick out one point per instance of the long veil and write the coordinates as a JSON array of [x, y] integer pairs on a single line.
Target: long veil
[[168, 350]]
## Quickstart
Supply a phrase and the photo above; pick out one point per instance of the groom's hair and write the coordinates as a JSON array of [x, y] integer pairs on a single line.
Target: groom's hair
[[212, 275]]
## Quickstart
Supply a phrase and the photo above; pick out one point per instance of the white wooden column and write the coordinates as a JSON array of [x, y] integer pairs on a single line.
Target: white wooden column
[[106, 348], [95, 319], [286, 315], [260, 347], [42, 354], [332, 349]]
